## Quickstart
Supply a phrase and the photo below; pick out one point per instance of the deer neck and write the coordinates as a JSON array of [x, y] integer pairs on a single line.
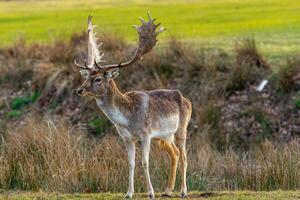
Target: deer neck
[[113, 104]]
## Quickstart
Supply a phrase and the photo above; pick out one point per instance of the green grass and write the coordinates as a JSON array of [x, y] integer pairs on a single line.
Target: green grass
[[14, 113], [275, 24], [21, 101], [226, 195], [99, 125]]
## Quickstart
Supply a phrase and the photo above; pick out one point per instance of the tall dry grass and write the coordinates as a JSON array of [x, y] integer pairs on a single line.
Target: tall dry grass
[[53, 156], [56, 157]]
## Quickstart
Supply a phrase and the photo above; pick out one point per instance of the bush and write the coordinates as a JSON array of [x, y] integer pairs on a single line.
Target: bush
[[289, 75], [249, 66]]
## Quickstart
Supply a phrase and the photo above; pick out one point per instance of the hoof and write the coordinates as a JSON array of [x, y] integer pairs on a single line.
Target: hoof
[[151, 196], [128, 196], [182, 195], [166, 195]]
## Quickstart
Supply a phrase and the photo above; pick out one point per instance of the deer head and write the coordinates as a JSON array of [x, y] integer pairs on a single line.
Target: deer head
[[96, 75]]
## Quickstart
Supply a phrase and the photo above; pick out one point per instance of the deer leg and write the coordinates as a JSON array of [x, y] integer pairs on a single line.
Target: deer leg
[[183, 168], [145, 154], [173, 153], [130, 146]]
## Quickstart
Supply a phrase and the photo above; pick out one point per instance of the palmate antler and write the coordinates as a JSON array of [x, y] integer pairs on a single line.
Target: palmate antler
[[147, 40], [94, 54]]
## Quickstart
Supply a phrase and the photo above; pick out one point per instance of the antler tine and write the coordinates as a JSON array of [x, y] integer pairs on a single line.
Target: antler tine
[[85, 67], [150, 18], [147, 40], [98, 67], [161, 29], [142, 20], [90, 17]]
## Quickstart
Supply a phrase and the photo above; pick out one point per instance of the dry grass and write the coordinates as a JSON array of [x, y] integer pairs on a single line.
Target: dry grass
[[289, 75], [206, 76], [56, 157], [249, 66]]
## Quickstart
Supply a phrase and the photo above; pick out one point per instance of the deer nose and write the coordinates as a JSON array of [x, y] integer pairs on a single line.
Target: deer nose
[[80, 91]]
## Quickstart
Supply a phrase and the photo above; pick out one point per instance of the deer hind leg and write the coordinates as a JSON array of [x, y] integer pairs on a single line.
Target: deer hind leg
[[183, 167], [173, 153]]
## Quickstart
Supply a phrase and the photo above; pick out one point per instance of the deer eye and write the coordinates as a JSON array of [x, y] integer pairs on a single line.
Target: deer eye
[[97, 80]]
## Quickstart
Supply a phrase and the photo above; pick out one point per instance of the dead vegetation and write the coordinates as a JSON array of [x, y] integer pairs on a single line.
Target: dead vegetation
[[289, 75], [231, 128], [53, 156], [221, 87]]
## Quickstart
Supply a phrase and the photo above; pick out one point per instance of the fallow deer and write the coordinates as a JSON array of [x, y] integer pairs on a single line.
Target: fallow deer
[[162, 115]]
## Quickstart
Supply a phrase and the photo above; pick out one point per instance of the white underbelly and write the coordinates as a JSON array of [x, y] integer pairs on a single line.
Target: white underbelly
[[165, 127]]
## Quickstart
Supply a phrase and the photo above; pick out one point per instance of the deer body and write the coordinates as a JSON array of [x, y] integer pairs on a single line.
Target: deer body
[[135, 114], [162, 115], [144, 115]]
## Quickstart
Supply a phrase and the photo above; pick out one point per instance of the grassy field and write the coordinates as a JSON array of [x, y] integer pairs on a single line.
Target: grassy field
[[274, 24], [245, 195]]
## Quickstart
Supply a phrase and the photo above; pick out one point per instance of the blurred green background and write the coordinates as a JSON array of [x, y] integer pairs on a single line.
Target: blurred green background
[[274, 24]]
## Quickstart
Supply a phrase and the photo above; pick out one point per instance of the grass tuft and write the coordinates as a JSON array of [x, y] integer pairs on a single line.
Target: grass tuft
[[249, 66], [289, 75]]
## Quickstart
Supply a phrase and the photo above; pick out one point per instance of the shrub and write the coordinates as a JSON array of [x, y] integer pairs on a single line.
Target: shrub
[[249, 66], [289, 75], [247, 53]]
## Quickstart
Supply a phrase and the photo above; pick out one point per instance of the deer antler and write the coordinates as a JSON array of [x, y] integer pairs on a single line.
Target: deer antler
[[147, 40], [94, 54]]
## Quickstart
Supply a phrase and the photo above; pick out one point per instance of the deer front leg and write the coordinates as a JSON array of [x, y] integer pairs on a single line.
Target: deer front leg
[[145, 153], [130, 146]]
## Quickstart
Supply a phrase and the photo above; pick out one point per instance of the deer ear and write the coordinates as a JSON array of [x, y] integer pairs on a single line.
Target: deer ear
[[112, 73], [85, 73]]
